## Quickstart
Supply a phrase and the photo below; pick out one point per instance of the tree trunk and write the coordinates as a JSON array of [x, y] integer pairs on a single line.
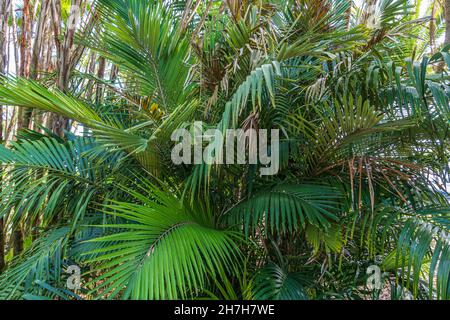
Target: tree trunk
[[38, 64], [24, 37], [15, 38], [56, 121], [39, 39], [91, 70], [25, 114], [348, 14], [4, 15], [112, 79], [66, 48], [65, 55], [440, 67], [433, 27], [101, 76], [17, 240], [368, 14], [447, 22]]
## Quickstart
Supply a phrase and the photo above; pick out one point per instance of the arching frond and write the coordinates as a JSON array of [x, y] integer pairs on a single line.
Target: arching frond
[[286, 208], [42, 262], [274, 283], [163, 250]]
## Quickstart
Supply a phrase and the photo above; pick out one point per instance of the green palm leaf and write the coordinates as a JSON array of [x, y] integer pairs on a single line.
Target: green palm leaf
[[162, 251], [274, 283], [43, 261], [286, 208]]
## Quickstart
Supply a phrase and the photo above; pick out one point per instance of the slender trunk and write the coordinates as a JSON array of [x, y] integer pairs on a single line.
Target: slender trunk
[[65, 55], [24, 37], [91, 70], [15, 38], [369, 12], [4, 17], [112, 79], [100, 75], [25, 114], [11, 38], [55, 120], [80, 48], [68, 54], [50, 65], [433, 28], [39, 39], [11, 123], [17, 240], [114, 74], [440, 67], [447, 22], [37, 64], [66, 49], [348, 14]]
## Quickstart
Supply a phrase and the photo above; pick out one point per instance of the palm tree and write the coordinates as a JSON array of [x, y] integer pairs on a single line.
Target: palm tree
[[364, 157]]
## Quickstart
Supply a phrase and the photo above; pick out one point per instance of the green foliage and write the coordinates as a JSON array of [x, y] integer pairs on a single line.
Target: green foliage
[[164, 251], [286, 208], [43, 261], [364, 119], [273, 283]]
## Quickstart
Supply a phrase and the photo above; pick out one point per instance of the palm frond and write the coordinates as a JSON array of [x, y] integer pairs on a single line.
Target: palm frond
[[274, 283], [43, 261], [163, 250], [287, 208]]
